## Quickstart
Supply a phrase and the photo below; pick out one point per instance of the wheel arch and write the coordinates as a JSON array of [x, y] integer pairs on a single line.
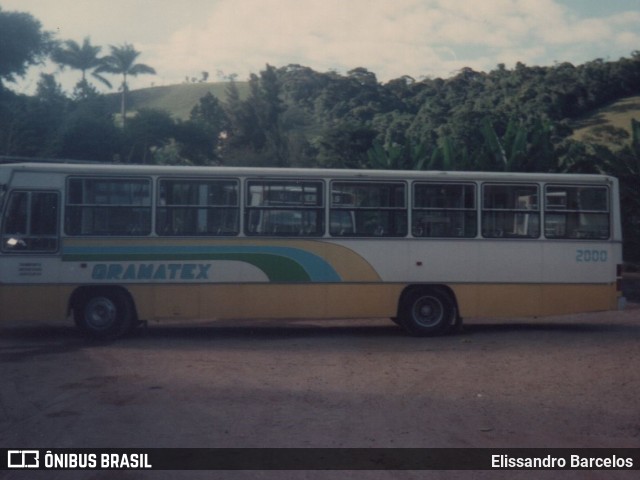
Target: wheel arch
[[81, 293], [443, 290], [439, 287]]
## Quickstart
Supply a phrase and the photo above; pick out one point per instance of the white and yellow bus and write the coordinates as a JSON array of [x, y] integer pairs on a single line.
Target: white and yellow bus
[[113, 245]]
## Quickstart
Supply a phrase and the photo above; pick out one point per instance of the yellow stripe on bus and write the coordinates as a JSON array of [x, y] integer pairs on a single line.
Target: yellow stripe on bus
[[503, 300], [341, 300]]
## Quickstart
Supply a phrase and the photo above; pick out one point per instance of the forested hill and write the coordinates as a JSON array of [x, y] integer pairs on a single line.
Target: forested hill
[[529, 118], [296, 116]]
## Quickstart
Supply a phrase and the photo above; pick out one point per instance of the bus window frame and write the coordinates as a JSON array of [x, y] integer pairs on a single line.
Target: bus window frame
[[548, 212], [516, 212], [279, 209], [472, 212], [69, 206], [157, 206], [353, 209]]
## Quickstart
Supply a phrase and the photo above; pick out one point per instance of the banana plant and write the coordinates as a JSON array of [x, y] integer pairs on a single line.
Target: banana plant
[[410, 156], [447, 156], [520, 148], [508, 152]]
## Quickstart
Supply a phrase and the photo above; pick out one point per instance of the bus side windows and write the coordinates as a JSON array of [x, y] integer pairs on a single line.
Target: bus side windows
[[444, 210], [190, 207], [510, 211], [108, 206], [576, 212], [368, 209], [31, 222], [284, 208]]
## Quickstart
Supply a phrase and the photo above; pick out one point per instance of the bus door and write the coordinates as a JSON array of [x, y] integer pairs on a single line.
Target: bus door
[[29, 256]]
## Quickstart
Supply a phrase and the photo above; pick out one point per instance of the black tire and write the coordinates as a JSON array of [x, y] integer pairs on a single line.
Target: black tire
[[427, 311], [104, 314]]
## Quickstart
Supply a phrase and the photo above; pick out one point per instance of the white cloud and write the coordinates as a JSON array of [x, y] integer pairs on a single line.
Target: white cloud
[[389, 37]]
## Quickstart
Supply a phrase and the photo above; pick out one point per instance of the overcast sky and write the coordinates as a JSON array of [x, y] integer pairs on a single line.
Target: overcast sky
[[391, 38]]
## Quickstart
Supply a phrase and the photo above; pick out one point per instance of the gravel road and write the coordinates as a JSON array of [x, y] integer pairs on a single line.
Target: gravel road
[[569, 381]]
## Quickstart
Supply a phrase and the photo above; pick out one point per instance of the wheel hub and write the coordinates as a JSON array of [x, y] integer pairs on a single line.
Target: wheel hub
[[428, 311], [100, 313]]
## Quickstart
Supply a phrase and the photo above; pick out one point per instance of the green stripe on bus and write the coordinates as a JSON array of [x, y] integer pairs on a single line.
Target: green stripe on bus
[[275, 267]]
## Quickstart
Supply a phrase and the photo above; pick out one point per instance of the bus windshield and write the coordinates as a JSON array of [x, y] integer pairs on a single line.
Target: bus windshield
[[3, 190]]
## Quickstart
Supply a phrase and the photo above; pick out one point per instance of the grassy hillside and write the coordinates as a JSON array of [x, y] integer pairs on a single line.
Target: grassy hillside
[[175, 99], [609, 125]]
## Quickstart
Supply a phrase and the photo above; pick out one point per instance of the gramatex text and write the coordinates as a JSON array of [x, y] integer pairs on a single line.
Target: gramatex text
[[150, 271]]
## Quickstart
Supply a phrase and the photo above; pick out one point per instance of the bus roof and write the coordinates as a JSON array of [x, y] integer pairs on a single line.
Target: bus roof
[[320, 173]]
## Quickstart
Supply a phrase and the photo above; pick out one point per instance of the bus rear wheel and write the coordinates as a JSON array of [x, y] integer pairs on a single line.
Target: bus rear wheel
[[104, 314], [427, 311]]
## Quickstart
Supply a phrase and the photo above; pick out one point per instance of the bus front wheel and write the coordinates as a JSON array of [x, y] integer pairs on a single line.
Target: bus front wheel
[[427, 311], [104, 314]]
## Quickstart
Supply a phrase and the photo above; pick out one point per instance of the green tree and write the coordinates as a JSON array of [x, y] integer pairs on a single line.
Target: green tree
[[200, 137], [625, 165], [211, 114], [22, 43], [88, 132], [345, 145], [81, 57], [268, 108], [363, 76], [122, 61], [147, 132], [257, 133], [29, 124]]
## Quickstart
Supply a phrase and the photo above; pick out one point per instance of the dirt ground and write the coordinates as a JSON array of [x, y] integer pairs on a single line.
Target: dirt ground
[[569, 381]]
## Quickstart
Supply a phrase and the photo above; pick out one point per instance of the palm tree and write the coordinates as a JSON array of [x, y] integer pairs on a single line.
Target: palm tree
[[122, 62], [84, 58]]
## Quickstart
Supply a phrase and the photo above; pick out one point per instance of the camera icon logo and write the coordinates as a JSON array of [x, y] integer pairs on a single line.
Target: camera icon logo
[[23, 459]]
